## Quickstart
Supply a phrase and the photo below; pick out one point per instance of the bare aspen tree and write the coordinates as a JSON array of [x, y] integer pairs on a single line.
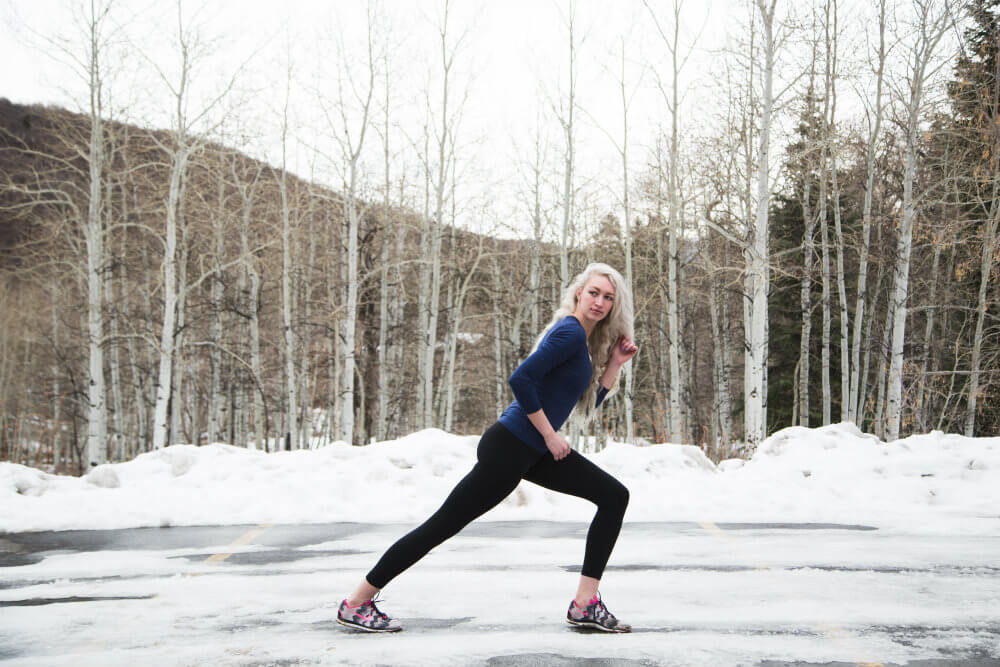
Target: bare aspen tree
[[388, 232], [115, 364], [182, 145], [671, 96], [756, 280], [874, 115], [626, 241], [97, 424], [291, 431], [625, 231], [181, 333], [305, 337], [565, 113], [832, 42], [216, 397], [808, 251], [722, 430], [534, 171], [444, 146], [88, 59], [663, 354], [933, 19], [350, 128], [428, 234], [496, 273], [179, 156], [330, 260], [824, 228], [248, 288]]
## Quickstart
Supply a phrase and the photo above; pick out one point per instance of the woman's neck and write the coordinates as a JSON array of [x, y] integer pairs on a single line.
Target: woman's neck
[[587, 326]]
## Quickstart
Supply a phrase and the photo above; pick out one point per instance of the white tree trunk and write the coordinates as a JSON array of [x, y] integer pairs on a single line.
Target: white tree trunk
[[932, 27], [116, 391], [164, 381], [349, 326], [569, 158], [97, 415], [383, 353], [444, 158], [177, 393], [832, 58], [805, 300], [676, 391], [755, 420], [824, 234], [305, 359], [215, 395], [855, 408]]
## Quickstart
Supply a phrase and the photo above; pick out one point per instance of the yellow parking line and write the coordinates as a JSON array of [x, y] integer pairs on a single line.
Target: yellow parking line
[[711, 527], [245, 538]]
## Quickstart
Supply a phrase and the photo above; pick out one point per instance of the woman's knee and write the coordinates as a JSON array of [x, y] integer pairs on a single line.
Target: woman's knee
[[615, 498]]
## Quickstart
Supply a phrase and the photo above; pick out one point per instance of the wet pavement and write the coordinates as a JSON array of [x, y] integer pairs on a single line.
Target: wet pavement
[[766, 595]]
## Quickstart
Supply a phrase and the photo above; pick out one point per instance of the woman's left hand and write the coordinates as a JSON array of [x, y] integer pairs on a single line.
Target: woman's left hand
[[623, 351]]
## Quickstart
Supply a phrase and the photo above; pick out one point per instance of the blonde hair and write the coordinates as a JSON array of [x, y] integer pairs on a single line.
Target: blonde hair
[[617, 323]]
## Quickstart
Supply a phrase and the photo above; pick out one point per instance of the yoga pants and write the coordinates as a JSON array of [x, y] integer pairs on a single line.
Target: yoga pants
[[503, 461]]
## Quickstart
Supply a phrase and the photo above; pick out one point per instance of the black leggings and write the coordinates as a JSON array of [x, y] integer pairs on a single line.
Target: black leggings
[[503, 461]]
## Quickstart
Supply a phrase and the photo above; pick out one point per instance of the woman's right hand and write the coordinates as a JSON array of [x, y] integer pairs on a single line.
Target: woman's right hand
[[558, 445]]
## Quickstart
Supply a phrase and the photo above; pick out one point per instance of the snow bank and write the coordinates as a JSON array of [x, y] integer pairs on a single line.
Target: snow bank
[[830, 474]]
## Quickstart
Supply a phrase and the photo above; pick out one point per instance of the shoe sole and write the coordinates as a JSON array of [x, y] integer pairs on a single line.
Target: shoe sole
[[597, 626], [356, 626]]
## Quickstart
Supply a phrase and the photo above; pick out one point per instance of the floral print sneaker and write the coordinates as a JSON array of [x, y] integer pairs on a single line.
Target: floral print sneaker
[[595, 615], [366, 617]]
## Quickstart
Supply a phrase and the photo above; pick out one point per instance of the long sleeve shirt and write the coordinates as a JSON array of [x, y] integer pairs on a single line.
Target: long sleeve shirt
[[551, 379]]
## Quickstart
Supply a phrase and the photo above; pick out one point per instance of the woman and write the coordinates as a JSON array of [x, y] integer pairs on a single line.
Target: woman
[[575, 363]]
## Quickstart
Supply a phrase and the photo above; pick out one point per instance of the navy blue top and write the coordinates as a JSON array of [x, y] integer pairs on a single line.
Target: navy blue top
[[552, 379]]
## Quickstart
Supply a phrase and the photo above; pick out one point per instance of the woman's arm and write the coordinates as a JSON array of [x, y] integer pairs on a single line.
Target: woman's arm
[[621, 353], [557, 444]]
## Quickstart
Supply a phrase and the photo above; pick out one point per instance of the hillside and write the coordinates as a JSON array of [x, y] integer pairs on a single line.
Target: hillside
[[230, 259]]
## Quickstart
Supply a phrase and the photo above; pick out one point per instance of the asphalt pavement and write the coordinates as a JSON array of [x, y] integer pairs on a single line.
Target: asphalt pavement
[[765, 595]]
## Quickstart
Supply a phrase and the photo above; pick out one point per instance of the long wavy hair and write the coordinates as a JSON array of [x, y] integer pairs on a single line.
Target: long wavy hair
[[617, 323]]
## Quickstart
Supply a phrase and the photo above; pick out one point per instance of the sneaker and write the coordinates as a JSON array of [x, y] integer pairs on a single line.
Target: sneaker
[[366, 617], [595, 615]]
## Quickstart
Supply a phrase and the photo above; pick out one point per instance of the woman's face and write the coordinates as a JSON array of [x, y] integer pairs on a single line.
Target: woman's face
[[595, 298]]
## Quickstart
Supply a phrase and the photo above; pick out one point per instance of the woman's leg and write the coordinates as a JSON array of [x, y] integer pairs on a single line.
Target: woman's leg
[[502, 460], [578, 476]]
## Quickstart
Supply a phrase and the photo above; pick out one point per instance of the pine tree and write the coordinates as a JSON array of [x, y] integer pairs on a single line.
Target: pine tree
[[971, 139]]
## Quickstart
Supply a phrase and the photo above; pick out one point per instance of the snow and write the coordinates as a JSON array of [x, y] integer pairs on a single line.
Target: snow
[[711, 567], [927, 483]]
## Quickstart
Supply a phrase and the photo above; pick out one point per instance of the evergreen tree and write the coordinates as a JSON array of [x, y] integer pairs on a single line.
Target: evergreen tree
[[968, 151]]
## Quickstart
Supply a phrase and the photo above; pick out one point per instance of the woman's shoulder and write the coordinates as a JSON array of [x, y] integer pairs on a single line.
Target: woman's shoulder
[[568, 328]]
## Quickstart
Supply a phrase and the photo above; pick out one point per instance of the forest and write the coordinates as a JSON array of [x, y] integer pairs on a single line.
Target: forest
[[794, 261]]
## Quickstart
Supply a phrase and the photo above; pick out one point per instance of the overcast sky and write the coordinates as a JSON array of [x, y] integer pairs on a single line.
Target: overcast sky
[[510, 70]]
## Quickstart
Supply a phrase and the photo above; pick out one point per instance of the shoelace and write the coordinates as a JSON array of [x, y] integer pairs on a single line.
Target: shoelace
[[378, 612], [601, 612]]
